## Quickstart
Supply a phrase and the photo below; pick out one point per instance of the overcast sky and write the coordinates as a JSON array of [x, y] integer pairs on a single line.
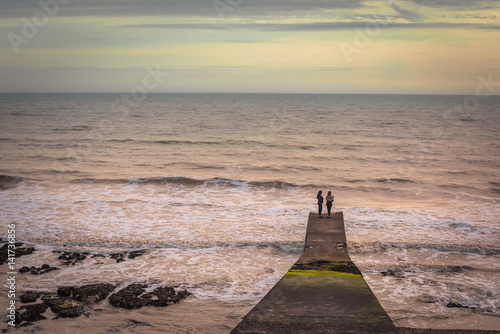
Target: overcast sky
[[309, 46]]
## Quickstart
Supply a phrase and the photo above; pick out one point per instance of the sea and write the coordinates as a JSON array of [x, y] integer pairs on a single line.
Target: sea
[[217, 189]]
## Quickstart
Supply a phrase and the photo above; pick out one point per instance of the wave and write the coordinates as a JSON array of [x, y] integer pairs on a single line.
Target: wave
[[75, 128], [230, 142], [8, 181], [382, 180], [378, 247], [286, 247], [186, 181], [398, 270]]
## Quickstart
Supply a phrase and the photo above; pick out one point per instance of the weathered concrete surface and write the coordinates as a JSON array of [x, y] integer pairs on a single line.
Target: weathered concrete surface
[[323, 292]]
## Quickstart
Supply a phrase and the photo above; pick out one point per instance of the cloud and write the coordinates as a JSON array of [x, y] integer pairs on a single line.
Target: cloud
[[250, 40], [205, 8], [317, 26], [459, 4], [471, 16], [405, 13]]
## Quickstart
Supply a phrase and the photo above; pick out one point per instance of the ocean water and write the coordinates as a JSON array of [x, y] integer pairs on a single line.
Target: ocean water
[[218, 187]]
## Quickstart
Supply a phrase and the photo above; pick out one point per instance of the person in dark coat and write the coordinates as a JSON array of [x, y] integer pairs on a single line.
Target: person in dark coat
[[320, 203]]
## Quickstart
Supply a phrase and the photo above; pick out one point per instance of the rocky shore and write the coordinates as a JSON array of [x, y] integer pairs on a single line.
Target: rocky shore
[[83, 300], [72, 302]]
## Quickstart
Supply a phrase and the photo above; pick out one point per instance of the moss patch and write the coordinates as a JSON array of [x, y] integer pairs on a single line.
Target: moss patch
[[320, 273], [321, 265]]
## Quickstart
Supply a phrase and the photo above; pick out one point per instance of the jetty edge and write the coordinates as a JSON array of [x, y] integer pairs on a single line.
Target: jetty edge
[[323, 292]]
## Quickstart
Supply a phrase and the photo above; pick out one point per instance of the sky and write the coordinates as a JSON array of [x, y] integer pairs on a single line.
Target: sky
[[254, 46]]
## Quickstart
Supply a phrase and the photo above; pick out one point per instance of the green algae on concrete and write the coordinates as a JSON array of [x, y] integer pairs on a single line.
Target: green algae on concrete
[[321, 273], [341, 266], [324, 292]]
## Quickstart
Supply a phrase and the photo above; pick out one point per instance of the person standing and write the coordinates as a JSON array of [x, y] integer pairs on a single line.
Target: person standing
[[329, 203], [320, 203]]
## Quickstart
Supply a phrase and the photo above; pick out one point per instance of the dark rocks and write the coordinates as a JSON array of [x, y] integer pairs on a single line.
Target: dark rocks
[[129, 297], [29, 297], [460, 269], [120, 257], [98, 255], [19, 251], [65, 291], [38, 271], [396, 273], [426, 299], [134, 296], [134, 254], [92, 293], [71, 302], [71, 258], [165, 296], [458, 305], [64, 307], [31, 313]]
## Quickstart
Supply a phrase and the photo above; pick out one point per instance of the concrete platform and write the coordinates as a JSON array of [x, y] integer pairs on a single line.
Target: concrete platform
[[324, 292]]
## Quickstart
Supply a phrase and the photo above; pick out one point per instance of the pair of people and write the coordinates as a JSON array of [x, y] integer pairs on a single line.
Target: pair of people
[[329, 203]]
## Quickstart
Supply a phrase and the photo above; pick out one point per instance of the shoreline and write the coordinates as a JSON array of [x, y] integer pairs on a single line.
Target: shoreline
[[101, 314]]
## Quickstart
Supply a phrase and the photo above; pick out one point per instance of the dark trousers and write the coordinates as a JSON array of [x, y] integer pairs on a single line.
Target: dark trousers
[[329, 207], [320, 208]]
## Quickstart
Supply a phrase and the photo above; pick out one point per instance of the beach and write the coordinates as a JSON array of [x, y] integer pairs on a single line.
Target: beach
[[210, 193]]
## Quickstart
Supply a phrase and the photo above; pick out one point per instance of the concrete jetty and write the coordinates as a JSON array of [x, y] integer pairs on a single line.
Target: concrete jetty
[[324, 292]]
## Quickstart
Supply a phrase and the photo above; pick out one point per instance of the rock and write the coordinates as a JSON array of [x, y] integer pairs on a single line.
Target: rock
[[31, 313], [65, 291], [133, 296], [65, 307], [164, 296], [134, 254], [395, 273], [98, 255], [19, 251], [460, 269], [458, 305], [29, 297], [427, 299], [92, 293], [72, 258], [89, 294], [119, 257], [24, 251], [71, 302], [129, 297], [38, 271]]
